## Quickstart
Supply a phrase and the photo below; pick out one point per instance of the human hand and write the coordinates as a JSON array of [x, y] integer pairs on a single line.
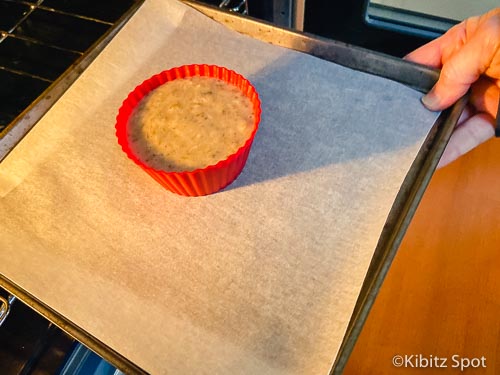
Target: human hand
[[469, 57]]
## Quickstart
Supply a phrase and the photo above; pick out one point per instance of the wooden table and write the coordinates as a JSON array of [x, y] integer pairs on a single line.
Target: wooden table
[[442, 294]]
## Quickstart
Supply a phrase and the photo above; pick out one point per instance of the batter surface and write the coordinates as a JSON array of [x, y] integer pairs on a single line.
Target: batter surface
[[190, 123]]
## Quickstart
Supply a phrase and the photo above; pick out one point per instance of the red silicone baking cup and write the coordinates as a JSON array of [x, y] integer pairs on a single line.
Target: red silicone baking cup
[[201, 181]]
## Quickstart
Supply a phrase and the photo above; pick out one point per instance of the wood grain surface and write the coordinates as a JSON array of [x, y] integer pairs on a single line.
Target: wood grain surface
[[441, 296]]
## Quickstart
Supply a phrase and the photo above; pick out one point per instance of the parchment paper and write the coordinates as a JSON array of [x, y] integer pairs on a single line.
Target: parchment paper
[[258, 279]]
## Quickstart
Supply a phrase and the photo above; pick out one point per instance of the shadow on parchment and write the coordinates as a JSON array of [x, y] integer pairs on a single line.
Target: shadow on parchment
[[314, 117]]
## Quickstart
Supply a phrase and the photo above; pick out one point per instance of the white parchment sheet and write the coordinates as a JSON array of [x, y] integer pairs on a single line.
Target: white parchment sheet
[[260, 278]]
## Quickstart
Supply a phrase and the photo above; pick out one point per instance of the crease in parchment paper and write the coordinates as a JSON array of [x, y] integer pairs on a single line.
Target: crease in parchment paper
[[259, 278]]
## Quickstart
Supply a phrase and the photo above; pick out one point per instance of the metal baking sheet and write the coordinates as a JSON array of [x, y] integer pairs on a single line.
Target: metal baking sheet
[[412, 189]]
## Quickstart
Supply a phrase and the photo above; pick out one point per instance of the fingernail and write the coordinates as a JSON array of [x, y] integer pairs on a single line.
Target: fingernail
[[431, 101]]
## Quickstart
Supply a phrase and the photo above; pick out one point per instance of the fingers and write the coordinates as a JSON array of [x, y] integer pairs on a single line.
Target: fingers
[[429, 54], [435, 52], [467, 51], [469, 56], [471, 133], [459, 72]]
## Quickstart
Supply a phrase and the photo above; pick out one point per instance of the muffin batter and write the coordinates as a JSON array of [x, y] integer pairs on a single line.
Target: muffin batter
[[190, 123]]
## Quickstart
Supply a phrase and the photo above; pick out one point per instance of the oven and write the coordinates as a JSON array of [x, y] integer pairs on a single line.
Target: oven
[[30, 344]]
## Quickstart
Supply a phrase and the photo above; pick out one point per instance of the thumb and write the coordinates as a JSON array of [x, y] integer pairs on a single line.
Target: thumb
[[458, 73]]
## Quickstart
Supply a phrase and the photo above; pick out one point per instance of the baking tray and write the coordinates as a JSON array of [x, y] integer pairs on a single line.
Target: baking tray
[[415, 76]]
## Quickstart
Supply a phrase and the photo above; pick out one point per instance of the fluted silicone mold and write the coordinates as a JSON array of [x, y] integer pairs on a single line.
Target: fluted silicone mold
[[201, 181]]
